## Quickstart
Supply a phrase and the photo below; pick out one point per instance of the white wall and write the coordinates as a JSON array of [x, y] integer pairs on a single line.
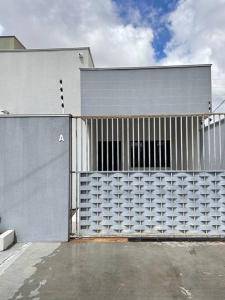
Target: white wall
[[30, 80]]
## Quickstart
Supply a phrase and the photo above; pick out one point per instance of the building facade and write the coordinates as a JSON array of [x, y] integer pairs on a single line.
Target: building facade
[[146, 149]]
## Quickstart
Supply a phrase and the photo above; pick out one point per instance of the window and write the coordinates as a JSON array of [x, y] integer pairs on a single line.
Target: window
[[114, 163], [157, 150]]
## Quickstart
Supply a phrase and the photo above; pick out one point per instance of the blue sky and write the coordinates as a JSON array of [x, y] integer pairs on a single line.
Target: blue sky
[[152, 12]]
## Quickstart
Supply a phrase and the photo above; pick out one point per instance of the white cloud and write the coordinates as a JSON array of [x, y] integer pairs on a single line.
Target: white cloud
[[198, 36], [69, 23]]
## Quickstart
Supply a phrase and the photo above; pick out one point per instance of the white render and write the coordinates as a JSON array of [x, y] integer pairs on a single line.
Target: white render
[[30, 79]]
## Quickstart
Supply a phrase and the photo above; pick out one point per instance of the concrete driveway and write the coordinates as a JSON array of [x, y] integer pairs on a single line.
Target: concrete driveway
[[97, 271]]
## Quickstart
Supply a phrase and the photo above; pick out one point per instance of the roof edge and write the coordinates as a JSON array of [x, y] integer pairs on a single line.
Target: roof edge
[[47, 49], [147, 67]]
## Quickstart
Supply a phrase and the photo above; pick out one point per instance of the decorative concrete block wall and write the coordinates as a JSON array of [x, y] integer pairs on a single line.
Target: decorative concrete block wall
[[152, 203]]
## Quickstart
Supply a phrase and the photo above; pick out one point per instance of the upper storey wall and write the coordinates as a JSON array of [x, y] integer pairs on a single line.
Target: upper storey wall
[[156, 90]]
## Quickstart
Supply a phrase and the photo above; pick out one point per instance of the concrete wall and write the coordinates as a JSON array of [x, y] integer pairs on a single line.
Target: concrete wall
[[30, 80], [145, 90], [35, 177]]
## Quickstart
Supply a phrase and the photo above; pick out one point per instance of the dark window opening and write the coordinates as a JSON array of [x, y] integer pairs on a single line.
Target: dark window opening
[[156, 153], [113, 163]]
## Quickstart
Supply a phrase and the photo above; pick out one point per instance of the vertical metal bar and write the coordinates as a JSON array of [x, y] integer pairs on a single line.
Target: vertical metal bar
[[187, 146], [209, 144], [214, 139], [203, 142], [112, 146], [143, 143], [165, 144], [149, 138], [81, 144], [102, 141], [76, 141], [133, 144], [128, 149], [138, 145], [117, 139], [171, 154], [122, 120], [220, 143], [154, 145], [198, 142], [107, 144], [76, 178], [176, 135], [91, 158], [192, 142], [87, 151], [160, 145], [181, 143], [96, 141]]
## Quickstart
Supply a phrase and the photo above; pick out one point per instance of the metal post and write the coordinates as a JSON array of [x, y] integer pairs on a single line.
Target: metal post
[[128, 138], [192, 142], [102, 141], [160, 150], [96, 125], [154, 145], [149, 143], [203, 143], [220, 142], [91, 152], [123, 142], [133, 144], [198, 143], [181, 143], [209, 144], [112, 146], [187, 146], [171, 156], [117, 139], [143, 143], [81, 145], [176, 134], [107, 144], [165, 144], [138, 145]]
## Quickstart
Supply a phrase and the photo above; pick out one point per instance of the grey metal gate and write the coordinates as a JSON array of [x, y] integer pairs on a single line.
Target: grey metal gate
[[150, 175]]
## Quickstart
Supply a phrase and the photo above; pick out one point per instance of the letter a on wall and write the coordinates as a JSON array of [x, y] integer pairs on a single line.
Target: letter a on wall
[[61, 138]]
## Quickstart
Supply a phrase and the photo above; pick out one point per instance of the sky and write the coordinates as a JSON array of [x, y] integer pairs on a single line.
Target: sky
[[126, 32]]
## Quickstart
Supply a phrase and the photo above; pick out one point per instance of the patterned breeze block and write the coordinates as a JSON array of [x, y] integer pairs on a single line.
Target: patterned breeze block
[[152, 203]]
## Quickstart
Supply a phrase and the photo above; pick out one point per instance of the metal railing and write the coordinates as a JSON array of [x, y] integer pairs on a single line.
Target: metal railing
[[186, 142]]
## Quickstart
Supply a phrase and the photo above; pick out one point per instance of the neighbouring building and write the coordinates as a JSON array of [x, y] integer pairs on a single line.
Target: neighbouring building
[[30, 78]]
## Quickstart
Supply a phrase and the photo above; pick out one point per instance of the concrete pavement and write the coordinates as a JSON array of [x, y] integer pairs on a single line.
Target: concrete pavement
[[95, 271]]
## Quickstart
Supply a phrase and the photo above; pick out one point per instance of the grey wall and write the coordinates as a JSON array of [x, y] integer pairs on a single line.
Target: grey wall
[[35, 177], [30, 80], [146, 90]]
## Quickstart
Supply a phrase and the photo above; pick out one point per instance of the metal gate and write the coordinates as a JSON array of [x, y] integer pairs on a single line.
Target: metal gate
[[150, 175]]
